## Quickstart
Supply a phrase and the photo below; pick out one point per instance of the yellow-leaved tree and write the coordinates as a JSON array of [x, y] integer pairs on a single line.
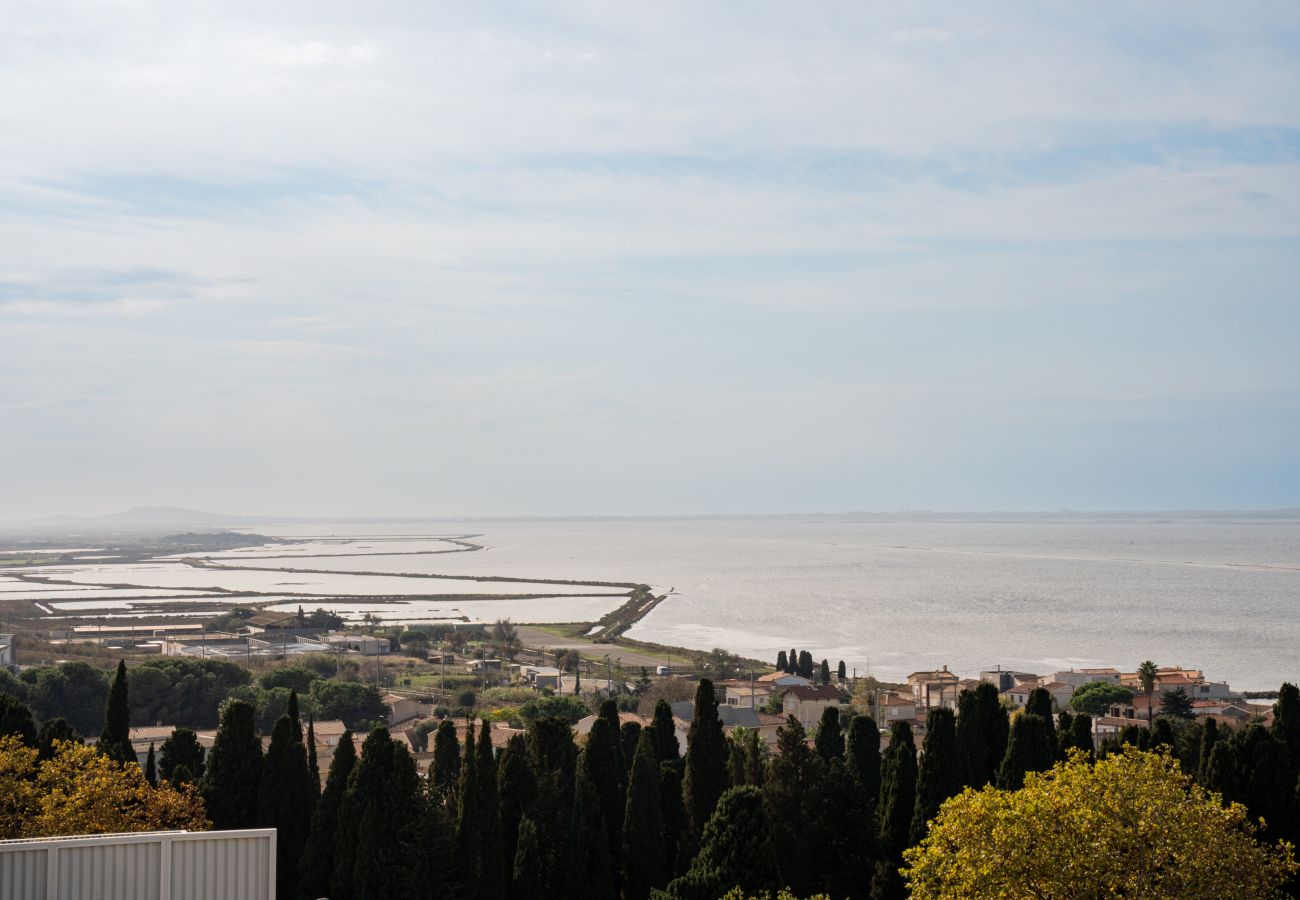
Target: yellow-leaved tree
[[81, 791], [1132, 825]]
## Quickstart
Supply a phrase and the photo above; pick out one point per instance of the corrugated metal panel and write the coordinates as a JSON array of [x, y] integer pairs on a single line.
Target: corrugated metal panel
[[238, 867], [109, 871], [22, 873], [214, 865]]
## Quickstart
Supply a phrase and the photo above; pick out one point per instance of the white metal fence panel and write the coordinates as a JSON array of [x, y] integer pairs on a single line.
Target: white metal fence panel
[[164, 865]]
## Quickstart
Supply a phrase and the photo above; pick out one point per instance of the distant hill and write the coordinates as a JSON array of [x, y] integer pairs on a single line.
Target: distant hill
[[139, 520]]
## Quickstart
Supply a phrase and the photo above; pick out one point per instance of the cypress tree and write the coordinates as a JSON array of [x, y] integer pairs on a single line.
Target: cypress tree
[[1263, 780], [517, 787], [468, 829], [1163, 734], [16, 719], [842, 672], [795, 797], [151, 768], [444, 774], [551, 748], [629, 733], [1209, 737], [643, 827], [56, 729], [982, 729], [862, 750], [1030, 749], [1286, 721], [527, 866], [830, 739], [234, 767], [1040, 704], [825, 672], [601, 762], [782, 662], [591, 872], [312, 764], [846, 833], [375, 850], [1064, 722], [115, 739], [706, 762], [794, 662], [665, 733], [491, 880], [673, 810], [181, 775], [284, 800], [317, 860], [806, 664], [182, 748], [898, 787], [737, 850], [939, 776], [1081, 733]]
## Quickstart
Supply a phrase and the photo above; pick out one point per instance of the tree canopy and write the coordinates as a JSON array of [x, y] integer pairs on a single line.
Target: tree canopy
[[1132, 825]]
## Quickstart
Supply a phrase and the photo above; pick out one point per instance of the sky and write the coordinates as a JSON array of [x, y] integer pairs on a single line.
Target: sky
[[401, 258]]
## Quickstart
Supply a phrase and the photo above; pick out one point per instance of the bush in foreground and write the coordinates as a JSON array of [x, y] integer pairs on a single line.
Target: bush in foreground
[[1130, 826]]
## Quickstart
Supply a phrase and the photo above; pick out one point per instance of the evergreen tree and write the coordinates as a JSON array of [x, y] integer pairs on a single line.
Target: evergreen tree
[[1080, 737], [1064, 722], [830, 739], [982, 729], [444, 773], [806, 664], [56, 729], [673, 810], [825, 672], [782, 662], [491, 880], [643, 854], [517, 788], [847, 839], [1029, 749], [1040, 704], [862, 750], [181, 775], [1262, 779], [842, 671], [706, 762], [469, 837], [182, 747], [665, 733], [600, 761], [312, 764], [376, 852], [527, 866], [1176, 703], [939, 776], [1163, 734], [795, 796], [628, 735], [284, 800], [591, 871], [234, 767], [317, 860], [551, 748], [1209, 738], [737, 850], [115, 739], [151, 768], [898, 788], [1286, 721], [794, 662], [16, 719]]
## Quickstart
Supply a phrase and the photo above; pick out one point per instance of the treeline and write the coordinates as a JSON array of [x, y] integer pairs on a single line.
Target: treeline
[[189, 692], [625, 814], [800, 662]]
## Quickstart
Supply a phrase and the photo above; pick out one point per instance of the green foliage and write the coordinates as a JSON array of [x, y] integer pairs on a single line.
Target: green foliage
[[527, 867], [151, 767], [601, 762], [317, 860], [830, 739], [56, 729], [1176, 703], [1029, 749], [1039, 703], [982, 729], [297, 678], [16, 719], [664, 733], [782, 662], [356, 704], [793, 791], [73, 690], [644, 857], [491, 877], [181, 748], [1097, 697], [115, 739], [737, 850], [444, 773], [591, 869], [897, 805], [183, 692], [234, 767], [706, 761], [571, 709], [517, 789], [939, 776], [862, 751], [285, 800]]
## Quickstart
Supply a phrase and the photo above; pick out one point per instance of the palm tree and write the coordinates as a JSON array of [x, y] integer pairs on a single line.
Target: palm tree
[[1147, 676]]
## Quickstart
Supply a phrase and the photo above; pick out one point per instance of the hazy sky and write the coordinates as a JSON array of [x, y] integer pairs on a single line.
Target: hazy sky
[[551, 258]]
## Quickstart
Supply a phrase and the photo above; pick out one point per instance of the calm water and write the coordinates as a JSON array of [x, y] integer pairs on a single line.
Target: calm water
[[901, 595]]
